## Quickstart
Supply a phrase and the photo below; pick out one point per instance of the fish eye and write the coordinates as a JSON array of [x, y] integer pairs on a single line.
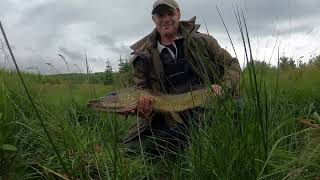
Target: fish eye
[[113, 93]]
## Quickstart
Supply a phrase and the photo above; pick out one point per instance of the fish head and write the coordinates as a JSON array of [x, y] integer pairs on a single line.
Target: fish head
[[118, 102]]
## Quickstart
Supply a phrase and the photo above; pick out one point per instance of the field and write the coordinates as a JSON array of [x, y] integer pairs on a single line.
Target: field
[[258, 138]]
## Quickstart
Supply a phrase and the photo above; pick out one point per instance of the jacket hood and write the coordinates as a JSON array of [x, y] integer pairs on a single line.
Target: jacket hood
[[149, 40]]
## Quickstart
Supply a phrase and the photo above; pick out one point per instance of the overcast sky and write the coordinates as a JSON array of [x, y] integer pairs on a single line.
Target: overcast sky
[[39, 30]]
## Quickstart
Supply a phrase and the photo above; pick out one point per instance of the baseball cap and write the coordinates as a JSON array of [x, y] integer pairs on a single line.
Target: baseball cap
[[171, 3]]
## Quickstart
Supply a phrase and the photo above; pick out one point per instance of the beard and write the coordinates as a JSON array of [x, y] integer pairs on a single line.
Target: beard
[[173, 29], [170, 34]]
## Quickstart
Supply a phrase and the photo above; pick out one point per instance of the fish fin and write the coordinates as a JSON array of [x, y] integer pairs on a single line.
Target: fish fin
[[176, 117], [140, 126]]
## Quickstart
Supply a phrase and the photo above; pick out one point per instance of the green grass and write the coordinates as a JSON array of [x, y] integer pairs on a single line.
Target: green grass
[[221, 146]]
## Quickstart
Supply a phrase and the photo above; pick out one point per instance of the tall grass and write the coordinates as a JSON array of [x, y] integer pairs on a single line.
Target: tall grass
[[224, 147]]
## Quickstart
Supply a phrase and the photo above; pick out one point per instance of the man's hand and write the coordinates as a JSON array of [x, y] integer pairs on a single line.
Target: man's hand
[[144, 106], [217, 89]]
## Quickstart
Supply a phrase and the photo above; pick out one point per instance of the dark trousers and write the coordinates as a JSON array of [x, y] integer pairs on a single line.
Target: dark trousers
[[160, 138]]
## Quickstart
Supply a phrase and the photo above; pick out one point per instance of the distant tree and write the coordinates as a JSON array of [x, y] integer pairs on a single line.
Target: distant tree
[[302, 64], [124, 65], [292, 63], [124, 77], [315, 61], [286, 63], [283, 62], [108, 74], [261, 64]]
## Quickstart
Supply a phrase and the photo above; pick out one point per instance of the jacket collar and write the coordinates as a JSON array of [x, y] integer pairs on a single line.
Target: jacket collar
[[150, 41]]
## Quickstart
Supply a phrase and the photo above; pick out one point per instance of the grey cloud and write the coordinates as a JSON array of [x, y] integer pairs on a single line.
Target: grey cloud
[[56, 13], [111, 43], [106, 28], [48, 20], [260, 14], [72, 54], [5, 7], [105, 39]]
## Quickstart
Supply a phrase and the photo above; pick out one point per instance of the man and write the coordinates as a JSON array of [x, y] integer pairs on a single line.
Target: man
[[175, 58]]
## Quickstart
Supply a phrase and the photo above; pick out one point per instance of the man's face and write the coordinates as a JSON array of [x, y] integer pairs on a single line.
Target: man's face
[[167, 21]]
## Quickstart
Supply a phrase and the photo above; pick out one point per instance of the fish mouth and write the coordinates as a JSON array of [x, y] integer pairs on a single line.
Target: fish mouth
[[95, 104]]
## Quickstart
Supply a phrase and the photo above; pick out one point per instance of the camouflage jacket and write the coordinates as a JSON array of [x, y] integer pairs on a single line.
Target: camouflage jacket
[[209, 60]]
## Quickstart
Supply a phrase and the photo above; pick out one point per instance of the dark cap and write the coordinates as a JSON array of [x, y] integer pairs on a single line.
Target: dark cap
[[171, 3]]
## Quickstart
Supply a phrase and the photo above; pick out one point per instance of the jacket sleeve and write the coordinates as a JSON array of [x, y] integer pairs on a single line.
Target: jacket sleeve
[[231, 67]]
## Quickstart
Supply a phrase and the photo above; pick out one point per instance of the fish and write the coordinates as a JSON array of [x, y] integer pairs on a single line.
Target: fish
[[126, 100]]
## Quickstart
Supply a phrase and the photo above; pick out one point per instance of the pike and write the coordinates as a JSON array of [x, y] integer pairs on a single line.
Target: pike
[[126, 100]]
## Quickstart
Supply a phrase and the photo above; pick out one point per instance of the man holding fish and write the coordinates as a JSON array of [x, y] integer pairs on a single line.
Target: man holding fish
[[174, 59]]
